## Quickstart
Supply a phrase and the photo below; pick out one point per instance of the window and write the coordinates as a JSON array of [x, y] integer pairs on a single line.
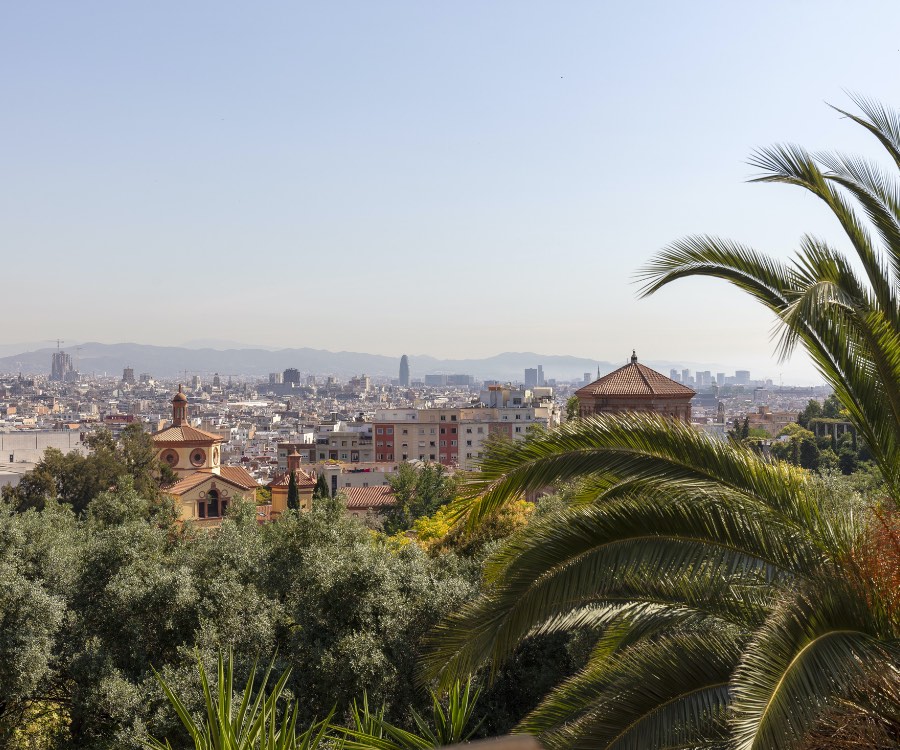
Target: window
[[443, 443], [518, 429], [468, 455], [452, 417], [389, 431], [431, 431], [452, 442], [321, 456], [468, 430], [431, 444], [443, 430], [469, 443], [431, 457], [212, 504], [443, 417], [481, 430], [379, 431], [518, 416], [405, 431]]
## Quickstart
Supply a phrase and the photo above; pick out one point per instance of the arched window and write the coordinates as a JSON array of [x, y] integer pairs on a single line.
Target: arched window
[[212, 504]]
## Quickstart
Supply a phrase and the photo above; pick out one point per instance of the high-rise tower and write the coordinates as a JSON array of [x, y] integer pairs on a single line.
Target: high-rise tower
[[404, 371]]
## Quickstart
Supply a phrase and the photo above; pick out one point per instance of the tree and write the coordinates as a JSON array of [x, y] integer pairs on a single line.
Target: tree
[[849, 323], [725, 592], [812, 411], [321, 490], [293, 494], [418, 492], [76, 479], [571, 408]]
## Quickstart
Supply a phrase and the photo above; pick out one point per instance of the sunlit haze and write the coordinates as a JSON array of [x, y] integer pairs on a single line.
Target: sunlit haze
[[455, 179]]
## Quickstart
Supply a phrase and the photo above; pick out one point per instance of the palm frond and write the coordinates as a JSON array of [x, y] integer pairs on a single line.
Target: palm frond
[[819, 644]]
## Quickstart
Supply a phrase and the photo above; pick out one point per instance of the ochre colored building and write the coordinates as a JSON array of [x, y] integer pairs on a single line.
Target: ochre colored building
[[635, 387], [204, 489], [279, 486]]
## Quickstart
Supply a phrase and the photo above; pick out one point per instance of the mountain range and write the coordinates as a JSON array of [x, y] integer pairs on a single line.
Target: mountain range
[[172, 361]]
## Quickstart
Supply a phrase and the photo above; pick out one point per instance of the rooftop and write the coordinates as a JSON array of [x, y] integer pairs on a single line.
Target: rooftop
[[635, 379]]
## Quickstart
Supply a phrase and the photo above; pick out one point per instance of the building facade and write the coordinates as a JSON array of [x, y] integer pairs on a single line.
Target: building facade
[[205, 489]]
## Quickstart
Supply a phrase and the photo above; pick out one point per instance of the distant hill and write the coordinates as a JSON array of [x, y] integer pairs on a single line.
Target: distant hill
[[171, 361]]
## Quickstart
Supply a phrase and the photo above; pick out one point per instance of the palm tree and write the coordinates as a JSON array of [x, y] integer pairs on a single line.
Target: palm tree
[[847, 322], [737, 603]]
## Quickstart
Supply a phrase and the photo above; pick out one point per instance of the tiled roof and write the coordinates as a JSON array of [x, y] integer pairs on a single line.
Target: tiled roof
[[301, 478], [363, 498], [188, 483], [185, 434], [635, 379], [236, 476]]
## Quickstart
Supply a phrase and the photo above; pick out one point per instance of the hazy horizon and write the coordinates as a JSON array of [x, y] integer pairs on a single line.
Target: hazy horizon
[[463, 179]]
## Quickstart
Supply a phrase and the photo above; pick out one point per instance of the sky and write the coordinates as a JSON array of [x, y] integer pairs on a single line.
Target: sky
[[447, 178]]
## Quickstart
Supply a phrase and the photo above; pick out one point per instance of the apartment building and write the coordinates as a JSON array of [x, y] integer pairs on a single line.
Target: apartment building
[[455, 437]]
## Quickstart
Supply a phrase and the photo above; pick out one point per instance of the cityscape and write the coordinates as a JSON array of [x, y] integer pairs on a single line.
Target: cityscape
[[475, 375], [356, 430]]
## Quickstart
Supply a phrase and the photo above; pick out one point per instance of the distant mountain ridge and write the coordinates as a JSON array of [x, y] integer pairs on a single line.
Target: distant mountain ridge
[[171, 361]]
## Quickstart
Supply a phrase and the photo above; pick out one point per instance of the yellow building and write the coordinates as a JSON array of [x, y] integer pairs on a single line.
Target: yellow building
[[279, 486], [204, 489]]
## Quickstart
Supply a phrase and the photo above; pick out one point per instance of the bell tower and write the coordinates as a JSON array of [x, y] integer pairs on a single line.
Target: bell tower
[[179, 408]]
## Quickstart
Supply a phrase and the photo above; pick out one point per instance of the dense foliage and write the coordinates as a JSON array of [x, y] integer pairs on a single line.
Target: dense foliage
[[91, 605]]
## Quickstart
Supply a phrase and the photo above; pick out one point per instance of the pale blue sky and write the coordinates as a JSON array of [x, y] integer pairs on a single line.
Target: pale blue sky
[[261, 171]]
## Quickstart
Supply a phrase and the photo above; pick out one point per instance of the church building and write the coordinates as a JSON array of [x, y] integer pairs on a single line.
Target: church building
[[635, 387], [204, 489]]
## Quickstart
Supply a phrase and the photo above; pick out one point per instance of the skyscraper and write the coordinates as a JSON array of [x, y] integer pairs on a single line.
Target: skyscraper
[[531, 377], [404, 371]]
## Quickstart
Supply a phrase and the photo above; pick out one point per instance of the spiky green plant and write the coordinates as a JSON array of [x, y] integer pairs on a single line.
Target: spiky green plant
[[255, 722], [450, 725], [730, 596]]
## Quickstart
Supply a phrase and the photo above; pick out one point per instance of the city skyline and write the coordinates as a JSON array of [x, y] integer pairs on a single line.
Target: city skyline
[[415, 149]]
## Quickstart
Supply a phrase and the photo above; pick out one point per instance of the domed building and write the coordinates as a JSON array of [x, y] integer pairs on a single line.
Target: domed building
[[635, 387], [205, 488]]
